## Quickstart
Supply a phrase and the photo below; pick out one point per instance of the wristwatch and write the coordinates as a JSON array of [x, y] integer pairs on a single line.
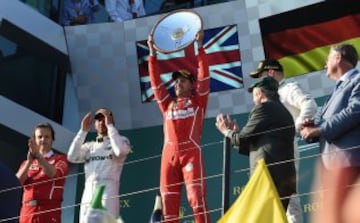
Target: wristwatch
[[36, 156]]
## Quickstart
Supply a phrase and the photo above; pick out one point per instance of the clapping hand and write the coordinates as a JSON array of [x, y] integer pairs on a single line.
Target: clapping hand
[[225, 124], [34, 151]]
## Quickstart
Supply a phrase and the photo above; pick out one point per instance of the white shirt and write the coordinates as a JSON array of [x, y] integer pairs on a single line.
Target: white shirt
[[299, 103], [103, 160]]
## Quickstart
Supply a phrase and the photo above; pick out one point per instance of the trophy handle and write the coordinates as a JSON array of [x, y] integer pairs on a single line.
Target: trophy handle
[[176, 30]]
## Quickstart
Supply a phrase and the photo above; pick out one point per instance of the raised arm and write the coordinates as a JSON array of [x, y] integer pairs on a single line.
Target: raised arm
[[120, 145], [78, 150], [22, 172], [161, 94], [203, 77]]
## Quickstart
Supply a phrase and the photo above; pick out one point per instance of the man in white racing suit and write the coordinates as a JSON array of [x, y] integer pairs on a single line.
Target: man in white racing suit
[[301, 106], [103, 158]]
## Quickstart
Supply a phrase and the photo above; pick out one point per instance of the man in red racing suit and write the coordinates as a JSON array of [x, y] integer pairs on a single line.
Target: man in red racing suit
[[42, 175], [183, 118]]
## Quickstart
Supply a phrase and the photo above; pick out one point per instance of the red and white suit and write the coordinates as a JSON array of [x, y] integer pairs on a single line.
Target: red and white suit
[[42, 193], [181, 157]]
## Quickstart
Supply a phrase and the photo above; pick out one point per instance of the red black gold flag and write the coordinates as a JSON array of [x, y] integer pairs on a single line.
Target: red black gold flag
[[301, 39]]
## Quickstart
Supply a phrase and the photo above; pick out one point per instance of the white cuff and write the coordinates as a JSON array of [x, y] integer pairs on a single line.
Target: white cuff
[[228, 133]]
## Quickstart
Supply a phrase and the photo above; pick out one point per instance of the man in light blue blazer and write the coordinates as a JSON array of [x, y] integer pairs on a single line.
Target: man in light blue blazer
[[338, 131], [338, 125]]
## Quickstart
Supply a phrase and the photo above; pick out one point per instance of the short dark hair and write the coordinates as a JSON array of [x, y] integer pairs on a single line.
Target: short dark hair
[[45, 126], [347, 52], [185, 74]]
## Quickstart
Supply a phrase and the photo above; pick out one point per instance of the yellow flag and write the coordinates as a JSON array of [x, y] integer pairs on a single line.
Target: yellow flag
[[259, 201]]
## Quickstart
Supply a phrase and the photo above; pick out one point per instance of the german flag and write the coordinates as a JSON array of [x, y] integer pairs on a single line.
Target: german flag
[[301, 39]]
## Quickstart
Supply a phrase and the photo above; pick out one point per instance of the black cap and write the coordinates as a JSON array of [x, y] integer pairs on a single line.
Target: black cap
[[267, 83], [183, 73], [267, 64]]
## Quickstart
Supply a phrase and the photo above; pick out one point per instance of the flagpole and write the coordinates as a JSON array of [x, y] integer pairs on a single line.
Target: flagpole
[[226, 175]]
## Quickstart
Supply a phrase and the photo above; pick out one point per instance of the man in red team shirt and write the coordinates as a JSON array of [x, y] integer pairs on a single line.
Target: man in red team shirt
[[183, 119], [43, 176]]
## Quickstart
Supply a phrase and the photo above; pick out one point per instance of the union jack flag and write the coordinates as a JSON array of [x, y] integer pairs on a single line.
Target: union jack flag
[[223, 52]]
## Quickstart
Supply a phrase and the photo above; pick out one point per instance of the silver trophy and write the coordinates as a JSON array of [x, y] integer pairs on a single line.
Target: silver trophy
[[176, 30]]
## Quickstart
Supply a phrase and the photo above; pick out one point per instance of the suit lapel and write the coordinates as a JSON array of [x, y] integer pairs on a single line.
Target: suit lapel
[[336, 93]]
